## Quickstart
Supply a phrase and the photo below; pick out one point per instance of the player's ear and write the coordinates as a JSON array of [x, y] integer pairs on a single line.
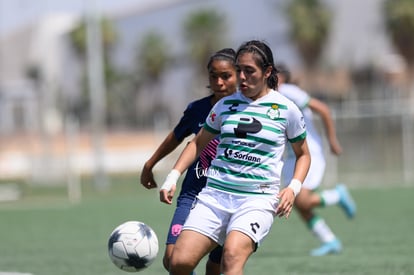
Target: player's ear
[[268, 72]]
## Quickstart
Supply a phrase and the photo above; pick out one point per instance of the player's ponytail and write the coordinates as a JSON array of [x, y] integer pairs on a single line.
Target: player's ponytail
[[272, 81]]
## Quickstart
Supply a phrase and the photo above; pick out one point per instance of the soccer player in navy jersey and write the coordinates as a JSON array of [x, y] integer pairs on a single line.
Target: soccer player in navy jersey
[[222, 82]]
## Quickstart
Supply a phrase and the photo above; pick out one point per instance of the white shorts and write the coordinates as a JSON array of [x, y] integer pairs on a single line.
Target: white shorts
[[215, 213], [315, 174]]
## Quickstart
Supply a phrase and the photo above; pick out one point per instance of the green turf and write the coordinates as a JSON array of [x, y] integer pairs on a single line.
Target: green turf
[[44, 234]]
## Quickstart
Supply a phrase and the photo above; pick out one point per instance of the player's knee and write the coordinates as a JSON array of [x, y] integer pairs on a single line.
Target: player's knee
[[233, 257], [303, 205], [304, 201], [180, 267], [166, 262], [182, 264]]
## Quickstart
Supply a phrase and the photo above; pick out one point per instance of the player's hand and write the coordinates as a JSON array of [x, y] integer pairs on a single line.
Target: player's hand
[[336, 148], [166, 196], [286, 200], [147, 178], [167, 190]]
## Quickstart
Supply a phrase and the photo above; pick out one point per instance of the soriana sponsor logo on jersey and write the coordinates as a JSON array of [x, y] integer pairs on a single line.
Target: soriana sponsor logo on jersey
[[240, 155]]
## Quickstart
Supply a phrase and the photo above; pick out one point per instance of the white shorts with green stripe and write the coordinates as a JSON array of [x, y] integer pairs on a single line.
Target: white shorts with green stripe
[[215, 213]]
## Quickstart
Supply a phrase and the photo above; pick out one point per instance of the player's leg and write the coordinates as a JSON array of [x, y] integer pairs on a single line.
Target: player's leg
[[179, 217], [330, 244], [186, 255], [247, 227], [237, 249], [304, 203], [339, 196], [167, 255], [214, 261], [201, 232], [335, 196]]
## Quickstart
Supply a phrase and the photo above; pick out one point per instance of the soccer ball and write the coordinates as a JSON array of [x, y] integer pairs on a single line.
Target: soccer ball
[[133, 246]]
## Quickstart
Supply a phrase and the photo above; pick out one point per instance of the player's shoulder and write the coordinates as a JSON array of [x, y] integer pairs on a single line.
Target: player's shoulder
[[280, 97], [201, 102], [296, 94], [287, 88], [282, 100]]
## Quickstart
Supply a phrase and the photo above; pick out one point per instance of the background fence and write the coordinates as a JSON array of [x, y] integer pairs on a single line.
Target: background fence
[[377, 137]]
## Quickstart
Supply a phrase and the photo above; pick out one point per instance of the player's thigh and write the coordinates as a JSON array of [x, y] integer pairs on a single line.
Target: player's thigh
[[190, 247], [254, 218], [178, 219], [237, 249], [239, 243], [306, 200], [208, 220]]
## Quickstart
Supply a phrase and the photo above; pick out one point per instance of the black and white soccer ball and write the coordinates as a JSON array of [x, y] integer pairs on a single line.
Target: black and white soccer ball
[[133, 246]]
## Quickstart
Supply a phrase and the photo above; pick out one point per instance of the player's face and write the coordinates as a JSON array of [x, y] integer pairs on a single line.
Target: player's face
[[252, 80], [222, 78]]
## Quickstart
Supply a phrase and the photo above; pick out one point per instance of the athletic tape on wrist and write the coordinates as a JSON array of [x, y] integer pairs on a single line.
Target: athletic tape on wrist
[[171, 180], [295, 185]]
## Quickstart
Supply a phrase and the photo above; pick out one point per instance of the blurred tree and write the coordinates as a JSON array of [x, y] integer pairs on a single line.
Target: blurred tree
[[310, 23], [79, 40], [151, 60], [205, 31], [399, 20], [152, 56], [78, 36]]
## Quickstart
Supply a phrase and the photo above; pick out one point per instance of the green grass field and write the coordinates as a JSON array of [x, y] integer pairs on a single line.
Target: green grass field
[[44, 234]]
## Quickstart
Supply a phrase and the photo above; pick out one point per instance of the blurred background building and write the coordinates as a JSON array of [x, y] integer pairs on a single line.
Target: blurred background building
[[355, 55]]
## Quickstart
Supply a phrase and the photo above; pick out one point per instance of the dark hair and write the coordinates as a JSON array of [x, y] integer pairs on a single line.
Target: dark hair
[[264, 58], [227, 54], [283, 70]]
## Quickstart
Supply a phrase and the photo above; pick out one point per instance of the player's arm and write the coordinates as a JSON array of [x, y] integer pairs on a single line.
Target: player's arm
[[324, 112], [288, 194], [193, 149], [169, 144], [187, 157], [303, 159]]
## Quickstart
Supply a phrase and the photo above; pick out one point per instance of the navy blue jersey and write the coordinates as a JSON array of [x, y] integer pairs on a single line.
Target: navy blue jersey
[[190, 123]]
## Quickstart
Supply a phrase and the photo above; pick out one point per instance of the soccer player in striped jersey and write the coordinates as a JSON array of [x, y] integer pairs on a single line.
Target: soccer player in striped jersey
[[237, 207], [308, 199], [222, 82]]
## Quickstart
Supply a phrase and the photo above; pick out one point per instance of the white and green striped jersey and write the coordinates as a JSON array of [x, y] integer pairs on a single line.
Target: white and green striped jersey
[[253, 135]]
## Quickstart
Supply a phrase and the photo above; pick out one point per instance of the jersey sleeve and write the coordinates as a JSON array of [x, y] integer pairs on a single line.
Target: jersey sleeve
[[213, 120], [183, 128], [296, 129]]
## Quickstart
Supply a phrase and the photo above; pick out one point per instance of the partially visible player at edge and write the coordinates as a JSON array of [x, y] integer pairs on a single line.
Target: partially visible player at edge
[[222, 82], [237, 207], [308, 198]]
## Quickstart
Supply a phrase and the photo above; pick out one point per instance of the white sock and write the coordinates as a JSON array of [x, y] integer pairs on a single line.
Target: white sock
[[321, 230], [330, 197]]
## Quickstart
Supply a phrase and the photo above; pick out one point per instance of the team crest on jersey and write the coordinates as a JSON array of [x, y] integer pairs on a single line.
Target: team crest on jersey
[[212, 116], [273, 112]]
